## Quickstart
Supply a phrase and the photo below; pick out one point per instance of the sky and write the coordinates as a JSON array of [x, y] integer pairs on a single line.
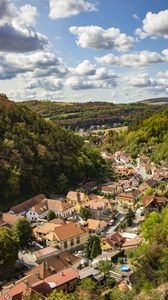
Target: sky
[[84, 50]]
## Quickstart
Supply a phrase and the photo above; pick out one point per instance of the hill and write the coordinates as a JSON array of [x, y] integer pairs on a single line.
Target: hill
[[85, 115], [39, 157], [149, 137], [156, 101]]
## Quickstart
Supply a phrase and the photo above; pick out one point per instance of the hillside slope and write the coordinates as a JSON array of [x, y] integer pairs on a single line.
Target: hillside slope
[[150, 138], [84, 115], [38, 157]]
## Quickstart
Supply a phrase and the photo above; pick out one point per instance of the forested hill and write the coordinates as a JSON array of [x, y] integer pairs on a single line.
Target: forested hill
[[150, 138], [38, 157], [85, 115]]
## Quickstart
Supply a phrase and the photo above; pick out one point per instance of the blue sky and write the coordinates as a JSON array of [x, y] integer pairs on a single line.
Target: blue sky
[[82, 50]]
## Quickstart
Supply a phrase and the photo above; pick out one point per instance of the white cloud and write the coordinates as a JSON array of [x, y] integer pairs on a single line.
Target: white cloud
[[38, 64], [135, 16], [140, 80], [49, 84], [154, 25], [66, 8], [98, 38], [139, 59], [16, 35], [87, 76]]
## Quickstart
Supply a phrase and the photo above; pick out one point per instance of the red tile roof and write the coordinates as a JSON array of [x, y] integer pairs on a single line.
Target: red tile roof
[[26, 205]]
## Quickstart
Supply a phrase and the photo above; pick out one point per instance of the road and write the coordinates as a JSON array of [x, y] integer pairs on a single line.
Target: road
[[120, 218]]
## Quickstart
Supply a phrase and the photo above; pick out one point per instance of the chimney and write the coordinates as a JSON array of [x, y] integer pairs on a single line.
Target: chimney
[[63, 274]]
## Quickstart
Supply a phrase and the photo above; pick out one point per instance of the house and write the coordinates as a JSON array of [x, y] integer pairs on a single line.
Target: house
[[142, 160], [128, 199], [44, 253], [121, 157], [154, 203], [7, 219], [53, 265], [38, 207], [113, 189], [96, 226], [69, 236], [22, 208], [65, 280], [134, 243], [148, 184], [76, 199], [41, 231], [99, 208], [116, 240]]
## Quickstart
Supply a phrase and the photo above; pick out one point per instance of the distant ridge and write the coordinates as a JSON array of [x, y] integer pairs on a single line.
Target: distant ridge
[[159, 101]]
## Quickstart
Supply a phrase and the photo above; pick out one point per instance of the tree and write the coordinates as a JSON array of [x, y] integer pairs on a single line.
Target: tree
[[129, 217], [23, 231], [9, 247], [148, 226], [60, 296], [51, 215], [93, 247], [88, 284], [84, 213], [105, 266]]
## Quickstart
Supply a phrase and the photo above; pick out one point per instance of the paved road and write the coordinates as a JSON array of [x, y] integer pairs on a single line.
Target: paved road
[[120, 218]]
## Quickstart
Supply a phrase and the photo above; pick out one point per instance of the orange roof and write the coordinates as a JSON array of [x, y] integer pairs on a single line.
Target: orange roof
[[9, 219], [95, 224], [63, 277], [76, 196], [46, 228], [68, 231], [132, 243], [158, 200], [42, 252], [58, 205], [26, 205], [98, 204]]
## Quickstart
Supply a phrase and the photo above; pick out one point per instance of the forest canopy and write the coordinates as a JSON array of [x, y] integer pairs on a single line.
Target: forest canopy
[[39, 157]]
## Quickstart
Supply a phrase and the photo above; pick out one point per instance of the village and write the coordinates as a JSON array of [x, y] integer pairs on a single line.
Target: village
[[62, 228]]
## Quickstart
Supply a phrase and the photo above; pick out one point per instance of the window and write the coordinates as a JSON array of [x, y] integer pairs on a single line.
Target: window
[[30, 213], [78, 240], [72, 242], [65, 244]]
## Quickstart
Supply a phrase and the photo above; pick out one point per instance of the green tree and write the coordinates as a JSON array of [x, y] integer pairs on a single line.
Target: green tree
[[105, 266], [60, 296], [93, 247], [88, 284], [129, 217], [84, 213], [23, 230], [148, 226], [51, 215], [9, 247]]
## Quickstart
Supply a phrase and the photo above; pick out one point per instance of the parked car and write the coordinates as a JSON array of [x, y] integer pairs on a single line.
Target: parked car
[[111, 222]]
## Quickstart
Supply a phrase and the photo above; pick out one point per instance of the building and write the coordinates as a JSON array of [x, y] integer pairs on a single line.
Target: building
[[134, 243], [44, 253], [96, 226], [7, 219], [116, 240], [148, 184], [76, 199], [99, 208], [69, 236], [154, 203], [128, 199], [65, 280], [38, 207]]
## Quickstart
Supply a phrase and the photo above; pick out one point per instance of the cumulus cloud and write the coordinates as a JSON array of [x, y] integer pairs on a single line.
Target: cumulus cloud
[[154, 25], [139, 59], [66, 8], [50, 84], [16, 33], [140, 80], [87, 76], [38, 64], [98, 38]]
